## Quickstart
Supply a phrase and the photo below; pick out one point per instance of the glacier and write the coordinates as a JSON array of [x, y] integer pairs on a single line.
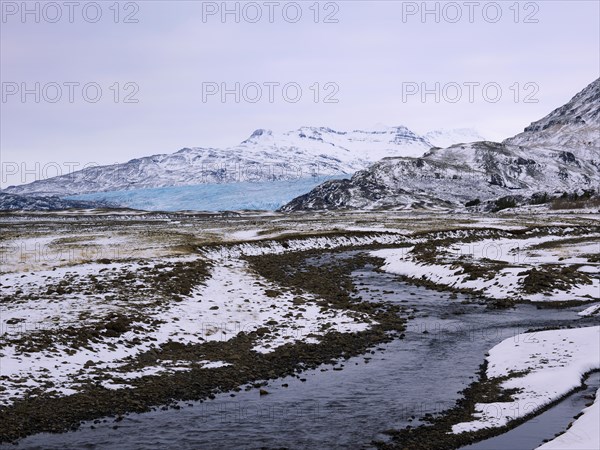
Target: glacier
[[246, 195]]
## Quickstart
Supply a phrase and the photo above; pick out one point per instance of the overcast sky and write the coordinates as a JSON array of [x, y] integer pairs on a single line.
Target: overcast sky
[[364, 55]]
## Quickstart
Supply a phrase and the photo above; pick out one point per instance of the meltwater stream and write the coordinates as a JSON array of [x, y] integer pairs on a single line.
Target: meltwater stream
[[445, 343]]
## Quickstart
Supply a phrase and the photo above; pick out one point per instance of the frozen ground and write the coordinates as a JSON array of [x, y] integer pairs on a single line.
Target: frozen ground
[[542, 366], [524, 268]]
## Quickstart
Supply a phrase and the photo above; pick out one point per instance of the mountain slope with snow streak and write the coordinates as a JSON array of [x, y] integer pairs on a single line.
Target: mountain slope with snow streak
[[557, 154]]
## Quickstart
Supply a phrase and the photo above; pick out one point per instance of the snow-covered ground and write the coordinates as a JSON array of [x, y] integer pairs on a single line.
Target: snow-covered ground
[[235, 300], [584, 433], [546, 366], [514, 259], [271, 247], [591, 310], [232, 300]]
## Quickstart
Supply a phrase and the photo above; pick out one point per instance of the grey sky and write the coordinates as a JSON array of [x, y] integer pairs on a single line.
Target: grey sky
[[369, 53]]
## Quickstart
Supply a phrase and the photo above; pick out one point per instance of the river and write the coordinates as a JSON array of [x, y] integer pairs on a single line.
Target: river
[[444, 345]]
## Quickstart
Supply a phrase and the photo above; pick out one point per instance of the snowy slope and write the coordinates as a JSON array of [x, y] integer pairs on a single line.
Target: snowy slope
[[445, 138], [573, 126], [264, 156], [557, 154]]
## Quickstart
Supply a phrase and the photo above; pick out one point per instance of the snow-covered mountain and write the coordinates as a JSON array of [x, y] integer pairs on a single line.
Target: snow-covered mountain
[[445, 138], [559, 153], [265, 156]]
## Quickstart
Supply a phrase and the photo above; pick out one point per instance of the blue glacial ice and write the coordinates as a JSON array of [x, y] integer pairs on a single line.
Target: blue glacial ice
[[264, 195]]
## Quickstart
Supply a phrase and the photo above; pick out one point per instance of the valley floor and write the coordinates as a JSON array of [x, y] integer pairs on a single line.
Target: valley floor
[[107, 314]]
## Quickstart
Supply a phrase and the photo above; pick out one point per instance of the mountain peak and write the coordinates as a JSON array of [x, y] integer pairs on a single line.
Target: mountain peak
[[258, 134]]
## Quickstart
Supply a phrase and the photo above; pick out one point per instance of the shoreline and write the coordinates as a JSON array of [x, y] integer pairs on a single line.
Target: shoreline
[[416, 438], [456, 427]]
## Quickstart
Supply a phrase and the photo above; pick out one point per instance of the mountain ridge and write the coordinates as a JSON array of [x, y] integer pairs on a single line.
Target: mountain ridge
[[558, 153], [263, 156]]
